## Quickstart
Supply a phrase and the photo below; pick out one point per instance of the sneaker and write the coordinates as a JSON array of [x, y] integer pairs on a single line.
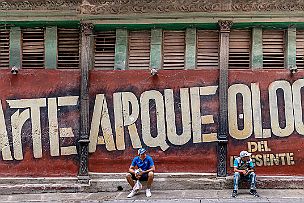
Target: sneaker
[[254, 193], [148, 193], [234, 193], [132, 193]]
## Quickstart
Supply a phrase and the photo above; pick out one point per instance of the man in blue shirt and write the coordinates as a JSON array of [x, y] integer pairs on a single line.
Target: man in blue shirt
[[142, 169], [244, 168]]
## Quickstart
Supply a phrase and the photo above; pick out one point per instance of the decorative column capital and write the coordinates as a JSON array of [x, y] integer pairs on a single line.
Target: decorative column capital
[[225, 25], [87, 28]]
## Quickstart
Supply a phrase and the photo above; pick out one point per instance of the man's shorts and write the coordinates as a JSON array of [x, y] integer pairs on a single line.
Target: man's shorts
[[144, 177]]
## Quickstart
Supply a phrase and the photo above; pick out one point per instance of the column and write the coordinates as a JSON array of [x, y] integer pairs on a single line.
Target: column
[[86, 57], [223, 97]]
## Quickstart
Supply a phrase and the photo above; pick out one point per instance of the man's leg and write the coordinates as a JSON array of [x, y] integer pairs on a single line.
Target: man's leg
[[149, 183], [150, 179], [130, 180], [236, 179], [252, 179]]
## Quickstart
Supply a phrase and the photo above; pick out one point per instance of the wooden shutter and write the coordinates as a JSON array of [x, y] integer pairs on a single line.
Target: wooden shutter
[[105, 50], [207, 49], [273, 48], [174, 49], [4, 48], [33, 48], [139, 49], [239, 49], [68, 48], [300, 48]]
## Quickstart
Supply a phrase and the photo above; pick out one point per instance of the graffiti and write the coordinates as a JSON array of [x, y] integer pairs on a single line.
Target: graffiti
[[163, 104], [175, 115], [266, 159]]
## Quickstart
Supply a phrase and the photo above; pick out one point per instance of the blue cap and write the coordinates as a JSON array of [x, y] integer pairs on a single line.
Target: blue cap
[[141, 151]]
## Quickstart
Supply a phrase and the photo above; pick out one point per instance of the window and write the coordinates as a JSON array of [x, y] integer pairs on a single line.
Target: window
[[105, 50], [33, 48], [4, 48], [207, 49], [139, 49], [273, 48], [239, 49], [174, 49], [300, 48], [68, 48]]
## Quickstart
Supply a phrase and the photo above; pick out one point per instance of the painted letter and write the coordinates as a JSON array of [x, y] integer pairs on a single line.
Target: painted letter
[[129, 100], [4, 144], [160, 138], [297, 105], [173, 137], [234, 131], [34, 105], [273, 107], [101, 118]]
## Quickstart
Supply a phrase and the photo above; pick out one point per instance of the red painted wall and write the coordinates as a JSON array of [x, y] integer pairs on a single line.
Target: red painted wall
[[285, 142]]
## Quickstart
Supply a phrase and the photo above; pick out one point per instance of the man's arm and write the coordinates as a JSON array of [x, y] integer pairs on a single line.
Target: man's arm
[[132, 169], [238, 170], [149, 170]]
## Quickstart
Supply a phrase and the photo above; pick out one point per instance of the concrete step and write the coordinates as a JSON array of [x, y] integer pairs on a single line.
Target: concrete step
[[103, 182]]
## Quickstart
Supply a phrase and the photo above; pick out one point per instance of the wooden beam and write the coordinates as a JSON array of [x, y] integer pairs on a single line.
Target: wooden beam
[[190, 55], [51, 47], [156, 48], [15, 57], [256, 61], [121, 49], [290, 48]]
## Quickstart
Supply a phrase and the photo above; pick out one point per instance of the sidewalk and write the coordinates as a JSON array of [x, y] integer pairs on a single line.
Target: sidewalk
[[163, 196]]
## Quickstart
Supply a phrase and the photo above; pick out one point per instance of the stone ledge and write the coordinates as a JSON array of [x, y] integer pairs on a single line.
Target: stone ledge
[[111, 182]]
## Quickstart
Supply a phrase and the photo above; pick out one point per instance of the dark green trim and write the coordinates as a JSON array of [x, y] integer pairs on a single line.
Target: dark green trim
[[15, 47], [205, 26], [31, 24], [50, 44]]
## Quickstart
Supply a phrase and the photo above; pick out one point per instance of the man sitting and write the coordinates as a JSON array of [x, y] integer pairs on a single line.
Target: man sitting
[[244, 169], [142, 169]]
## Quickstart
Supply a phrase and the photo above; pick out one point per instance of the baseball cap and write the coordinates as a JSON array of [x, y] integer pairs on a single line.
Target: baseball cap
[[141, 151], [244, 153]]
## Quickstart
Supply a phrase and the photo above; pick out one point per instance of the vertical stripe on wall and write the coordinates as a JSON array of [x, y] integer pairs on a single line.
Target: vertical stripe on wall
[[121, 49], [156, 48], [257, 48], [51, 47], [15, 47], [190, 57], [290, 48]]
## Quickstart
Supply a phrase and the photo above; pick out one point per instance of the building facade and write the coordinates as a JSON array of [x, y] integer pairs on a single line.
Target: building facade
[[84, 83]]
